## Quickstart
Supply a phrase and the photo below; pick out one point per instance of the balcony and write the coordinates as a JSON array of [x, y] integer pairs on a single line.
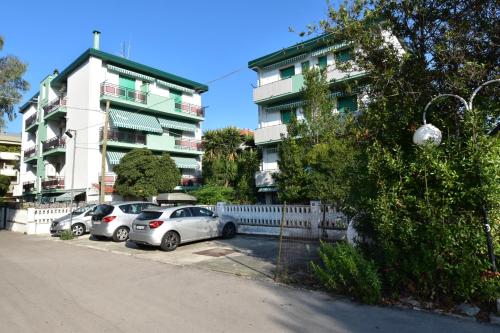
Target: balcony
[[269, 134], [8, 156], [188, 144], [281, 88], [191, 109], [9, 172], [54, 146], [29, 186], [53, 183], [337, 75], [265, 178], [150, 102], [124, 138], [127, 94], [31, 123], [55, 109], [30, 155]]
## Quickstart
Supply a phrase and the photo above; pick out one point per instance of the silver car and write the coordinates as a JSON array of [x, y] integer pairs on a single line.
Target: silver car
[[168, 227], [80, 223], [114, 219]]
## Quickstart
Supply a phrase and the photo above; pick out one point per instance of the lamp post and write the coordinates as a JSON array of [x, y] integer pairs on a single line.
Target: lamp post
[[72, 135], [428, 133]]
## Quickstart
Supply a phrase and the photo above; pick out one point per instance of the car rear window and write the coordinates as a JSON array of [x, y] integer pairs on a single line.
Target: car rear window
[[149, 215], [101, 211]]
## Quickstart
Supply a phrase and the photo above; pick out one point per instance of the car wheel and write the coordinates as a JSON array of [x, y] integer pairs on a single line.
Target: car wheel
[[78, 229], [229, 230], [120, 234], [170, 241]]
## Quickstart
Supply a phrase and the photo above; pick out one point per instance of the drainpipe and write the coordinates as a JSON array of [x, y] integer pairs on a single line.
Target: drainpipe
[[97, 34]]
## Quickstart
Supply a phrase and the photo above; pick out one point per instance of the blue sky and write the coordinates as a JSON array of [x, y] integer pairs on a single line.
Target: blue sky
[[199, 40]]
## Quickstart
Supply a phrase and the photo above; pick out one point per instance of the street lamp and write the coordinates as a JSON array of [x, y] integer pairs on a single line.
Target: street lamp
[[72, 135], [428, 133]]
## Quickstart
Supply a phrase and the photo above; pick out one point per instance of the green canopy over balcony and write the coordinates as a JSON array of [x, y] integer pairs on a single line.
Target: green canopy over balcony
[[178, 125], [135, 121]]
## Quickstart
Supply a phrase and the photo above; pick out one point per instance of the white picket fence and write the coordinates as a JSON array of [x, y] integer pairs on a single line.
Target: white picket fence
[[313, 221]]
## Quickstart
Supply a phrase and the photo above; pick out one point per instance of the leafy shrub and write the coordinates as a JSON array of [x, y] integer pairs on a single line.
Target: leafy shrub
[[211, 194], [346, 271], [67, 235]]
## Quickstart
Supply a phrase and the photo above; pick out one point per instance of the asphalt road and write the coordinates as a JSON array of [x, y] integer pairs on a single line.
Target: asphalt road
[[48, 286]]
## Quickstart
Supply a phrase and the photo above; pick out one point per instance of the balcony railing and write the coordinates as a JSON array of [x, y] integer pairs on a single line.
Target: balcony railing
[[29, 186], [30, 152], [30, 121], [54, 143], [124, 136], [191, 109], [128, 94], [270, 134], [190, 182], [54, 105], [188, 144], [52, 183]]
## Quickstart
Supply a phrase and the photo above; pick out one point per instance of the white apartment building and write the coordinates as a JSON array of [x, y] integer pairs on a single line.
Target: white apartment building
[[10, 156], [149, 108], [278, 96]]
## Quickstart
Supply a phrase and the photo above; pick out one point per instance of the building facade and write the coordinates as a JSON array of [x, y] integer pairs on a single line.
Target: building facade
[[10, 156], [280, 81], [148, 108]]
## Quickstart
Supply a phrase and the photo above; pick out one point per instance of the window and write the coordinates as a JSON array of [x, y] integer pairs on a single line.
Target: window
[[149, 215], [286, 116], [305, 66], [286, 73], [344, 55], [347, 104], [125, 208], [322, 62], [176, 95], [180, 213], [126, 82], [203, 212]]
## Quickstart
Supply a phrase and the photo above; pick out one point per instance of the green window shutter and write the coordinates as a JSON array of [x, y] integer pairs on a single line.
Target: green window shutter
[[344, 55], [322, 62], [285, 73], [145, 88], [286, 116], [176, 95], [347, 104], [126, 82], [305, 65]]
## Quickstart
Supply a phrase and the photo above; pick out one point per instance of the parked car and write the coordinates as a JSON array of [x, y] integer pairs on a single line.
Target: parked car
[[114, 219], [80, 224], [167, 227]]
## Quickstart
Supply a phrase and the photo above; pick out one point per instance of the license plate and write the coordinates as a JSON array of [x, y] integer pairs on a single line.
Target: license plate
[[96, 222], [140, 227]]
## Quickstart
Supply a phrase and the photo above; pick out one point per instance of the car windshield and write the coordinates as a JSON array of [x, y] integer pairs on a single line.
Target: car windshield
[[80, 210]]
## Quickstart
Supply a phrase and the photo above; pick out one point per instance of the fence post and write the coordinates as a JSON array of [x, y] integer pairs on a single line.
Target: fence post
[[315, 219], [220, 208], [31, 223]]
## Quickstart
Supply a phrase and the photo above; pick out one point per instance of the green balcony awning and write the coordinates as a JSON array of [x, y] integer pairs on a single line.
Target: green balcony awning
[[178, 125], [267, 189], [285, 106], [68, 195], [325, 50], [130, 73], [134, 121], [114, 157], [175, 86], [286, 62], [185, 162]]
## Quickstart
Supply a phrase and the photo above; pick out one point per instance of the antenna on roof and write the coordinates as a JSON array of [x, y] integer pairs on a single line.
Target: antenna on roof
[[125, 50]]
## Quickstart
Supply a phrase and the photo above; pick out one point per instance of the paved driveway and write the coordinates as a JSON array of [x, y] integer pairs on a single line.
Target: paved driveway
[[49, 286], [251, 256]]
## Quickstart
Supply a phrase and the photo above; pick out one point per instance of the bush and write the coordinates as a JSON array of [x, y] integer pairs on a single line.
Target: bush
[[211, 194], [346, 271], [67, 235]]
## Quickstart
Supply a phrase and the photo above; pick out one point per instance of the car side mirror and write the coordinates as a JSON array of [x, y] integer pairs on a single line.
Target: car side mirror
[[214, 215]]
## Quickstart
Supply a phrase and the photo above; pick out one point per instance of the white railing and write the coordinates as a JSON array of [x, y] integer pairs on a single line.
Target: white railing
[[269, 134]]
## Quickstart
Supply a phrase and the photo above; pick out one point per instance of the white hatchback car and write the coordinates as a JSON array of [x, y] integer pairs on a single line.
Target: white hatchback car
[[168, 227]]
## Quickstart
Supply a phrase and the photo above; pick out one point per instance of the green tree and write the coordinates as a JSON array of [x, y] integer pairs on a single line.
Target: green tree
[[12, 84], [4, 185], [422, 206], [211, 194], [142, 174]]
